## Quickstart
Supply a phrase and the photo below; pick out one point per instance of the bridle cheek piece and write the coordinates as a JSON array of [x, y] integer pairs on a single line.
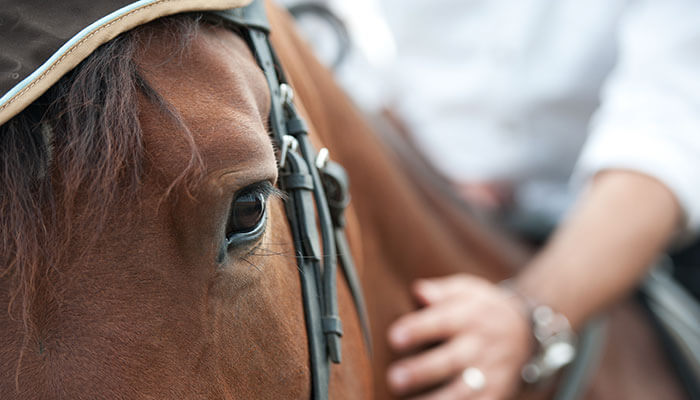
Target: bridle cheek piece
[[317, 191]]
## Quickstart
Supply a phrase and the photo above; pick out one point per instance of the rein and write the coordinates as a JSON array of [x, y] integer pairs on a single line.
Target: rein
[[318, 196]]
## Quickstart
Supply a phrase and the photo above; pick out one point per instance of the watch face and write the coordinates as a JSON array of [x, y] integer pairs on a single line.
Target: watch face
[[324, 31]]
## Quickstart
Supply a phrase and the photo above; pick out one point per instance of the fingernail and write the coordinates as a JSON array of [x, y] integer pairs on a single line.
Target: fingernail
[[398, 377]]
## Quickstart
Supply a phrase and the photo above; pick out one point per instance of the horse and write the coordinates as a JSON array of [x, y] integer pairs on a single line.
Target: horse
[[120, 183]]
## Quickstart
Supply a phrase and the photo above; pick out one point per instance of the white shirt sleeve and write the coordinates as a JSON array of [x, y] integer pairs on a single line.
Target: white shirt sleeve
[[649, 116]]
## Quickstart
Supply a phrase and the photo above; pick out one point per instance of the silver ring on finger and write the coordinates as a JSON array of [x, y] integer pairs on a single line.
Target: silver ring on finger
[[474, 379]]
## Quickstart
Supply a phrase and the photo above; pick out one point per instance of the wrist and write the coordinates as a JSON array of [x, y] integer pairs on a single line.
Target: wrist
[[553, 339]]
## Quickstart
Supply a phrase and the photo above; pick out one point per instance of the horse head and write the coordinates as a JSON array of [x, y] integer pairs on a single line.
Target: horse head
[[147, 251]]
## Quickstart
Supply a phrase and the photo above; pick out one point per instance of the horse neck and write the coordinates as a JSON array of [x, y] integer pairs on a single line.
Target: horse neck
[[428, 234], [398, 228]]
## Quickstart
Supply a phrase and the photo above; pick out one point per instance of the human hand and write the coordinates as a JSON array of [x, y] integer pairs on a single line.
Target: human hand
[[490, 197], [478, 324]]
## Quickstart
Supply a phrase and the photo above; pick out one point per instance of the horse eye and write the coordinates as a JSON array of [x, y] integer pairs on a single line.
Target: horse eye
[[246, 218]]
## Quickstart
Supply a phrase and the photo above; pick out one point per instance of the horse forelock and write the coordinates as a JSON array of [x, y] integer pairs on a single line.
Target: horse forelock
[[72, 155]]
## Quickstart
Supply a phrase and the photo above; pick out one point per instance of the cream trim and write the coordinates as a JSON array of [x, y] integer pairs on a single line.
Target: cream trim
[[86, 41]]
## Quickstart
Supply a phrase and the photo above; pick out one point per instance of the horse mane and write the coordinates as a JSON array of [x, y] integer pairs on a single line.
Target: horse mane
[[73, 155]]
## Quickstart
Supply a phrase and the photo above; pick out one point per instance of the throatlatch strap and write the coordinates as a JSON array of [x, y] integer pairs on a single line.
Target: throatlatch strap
[[337, 186]]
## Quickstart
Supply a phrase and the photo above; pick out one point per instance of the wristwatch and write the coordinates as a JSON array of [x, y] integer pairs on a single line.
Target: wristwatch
[[555, 344], [555, 341]]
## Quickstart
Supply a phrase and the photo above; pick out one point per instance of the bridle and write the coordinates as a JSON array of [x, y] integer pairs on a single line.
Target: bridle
[[317, 191]]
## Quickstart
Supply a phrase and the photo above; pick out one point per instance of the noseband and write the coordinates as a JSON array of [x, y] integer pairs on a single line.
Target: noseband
[[317, 191]]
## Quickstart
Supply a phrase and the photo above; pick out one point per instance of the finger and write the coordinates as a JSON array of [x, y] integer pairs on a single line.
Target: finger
[[457, 389], [430, 324], [481, 195], [433, 366], [431, 291]]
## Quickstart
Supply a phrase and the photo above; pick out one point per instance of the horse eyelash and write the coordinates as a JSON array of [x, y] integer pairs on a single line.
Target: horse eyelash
[[274, 192], [266, 189]]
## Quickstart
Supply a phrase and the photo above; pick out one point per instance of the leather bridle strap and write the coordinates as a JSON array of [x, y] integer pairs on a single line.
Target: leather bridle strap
[[332, 326], [307, 207], [301, 215], [337, 187]]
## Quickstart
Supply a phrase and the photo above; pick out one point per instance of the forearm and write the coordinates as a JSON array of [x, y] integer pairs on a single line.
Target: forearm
[[605, 246]]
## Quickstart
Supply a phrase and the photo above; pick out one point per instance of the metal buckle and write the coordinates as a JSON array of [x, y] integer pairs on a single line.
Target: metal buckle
[[322, 158], [289, 143], [286, 93]]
